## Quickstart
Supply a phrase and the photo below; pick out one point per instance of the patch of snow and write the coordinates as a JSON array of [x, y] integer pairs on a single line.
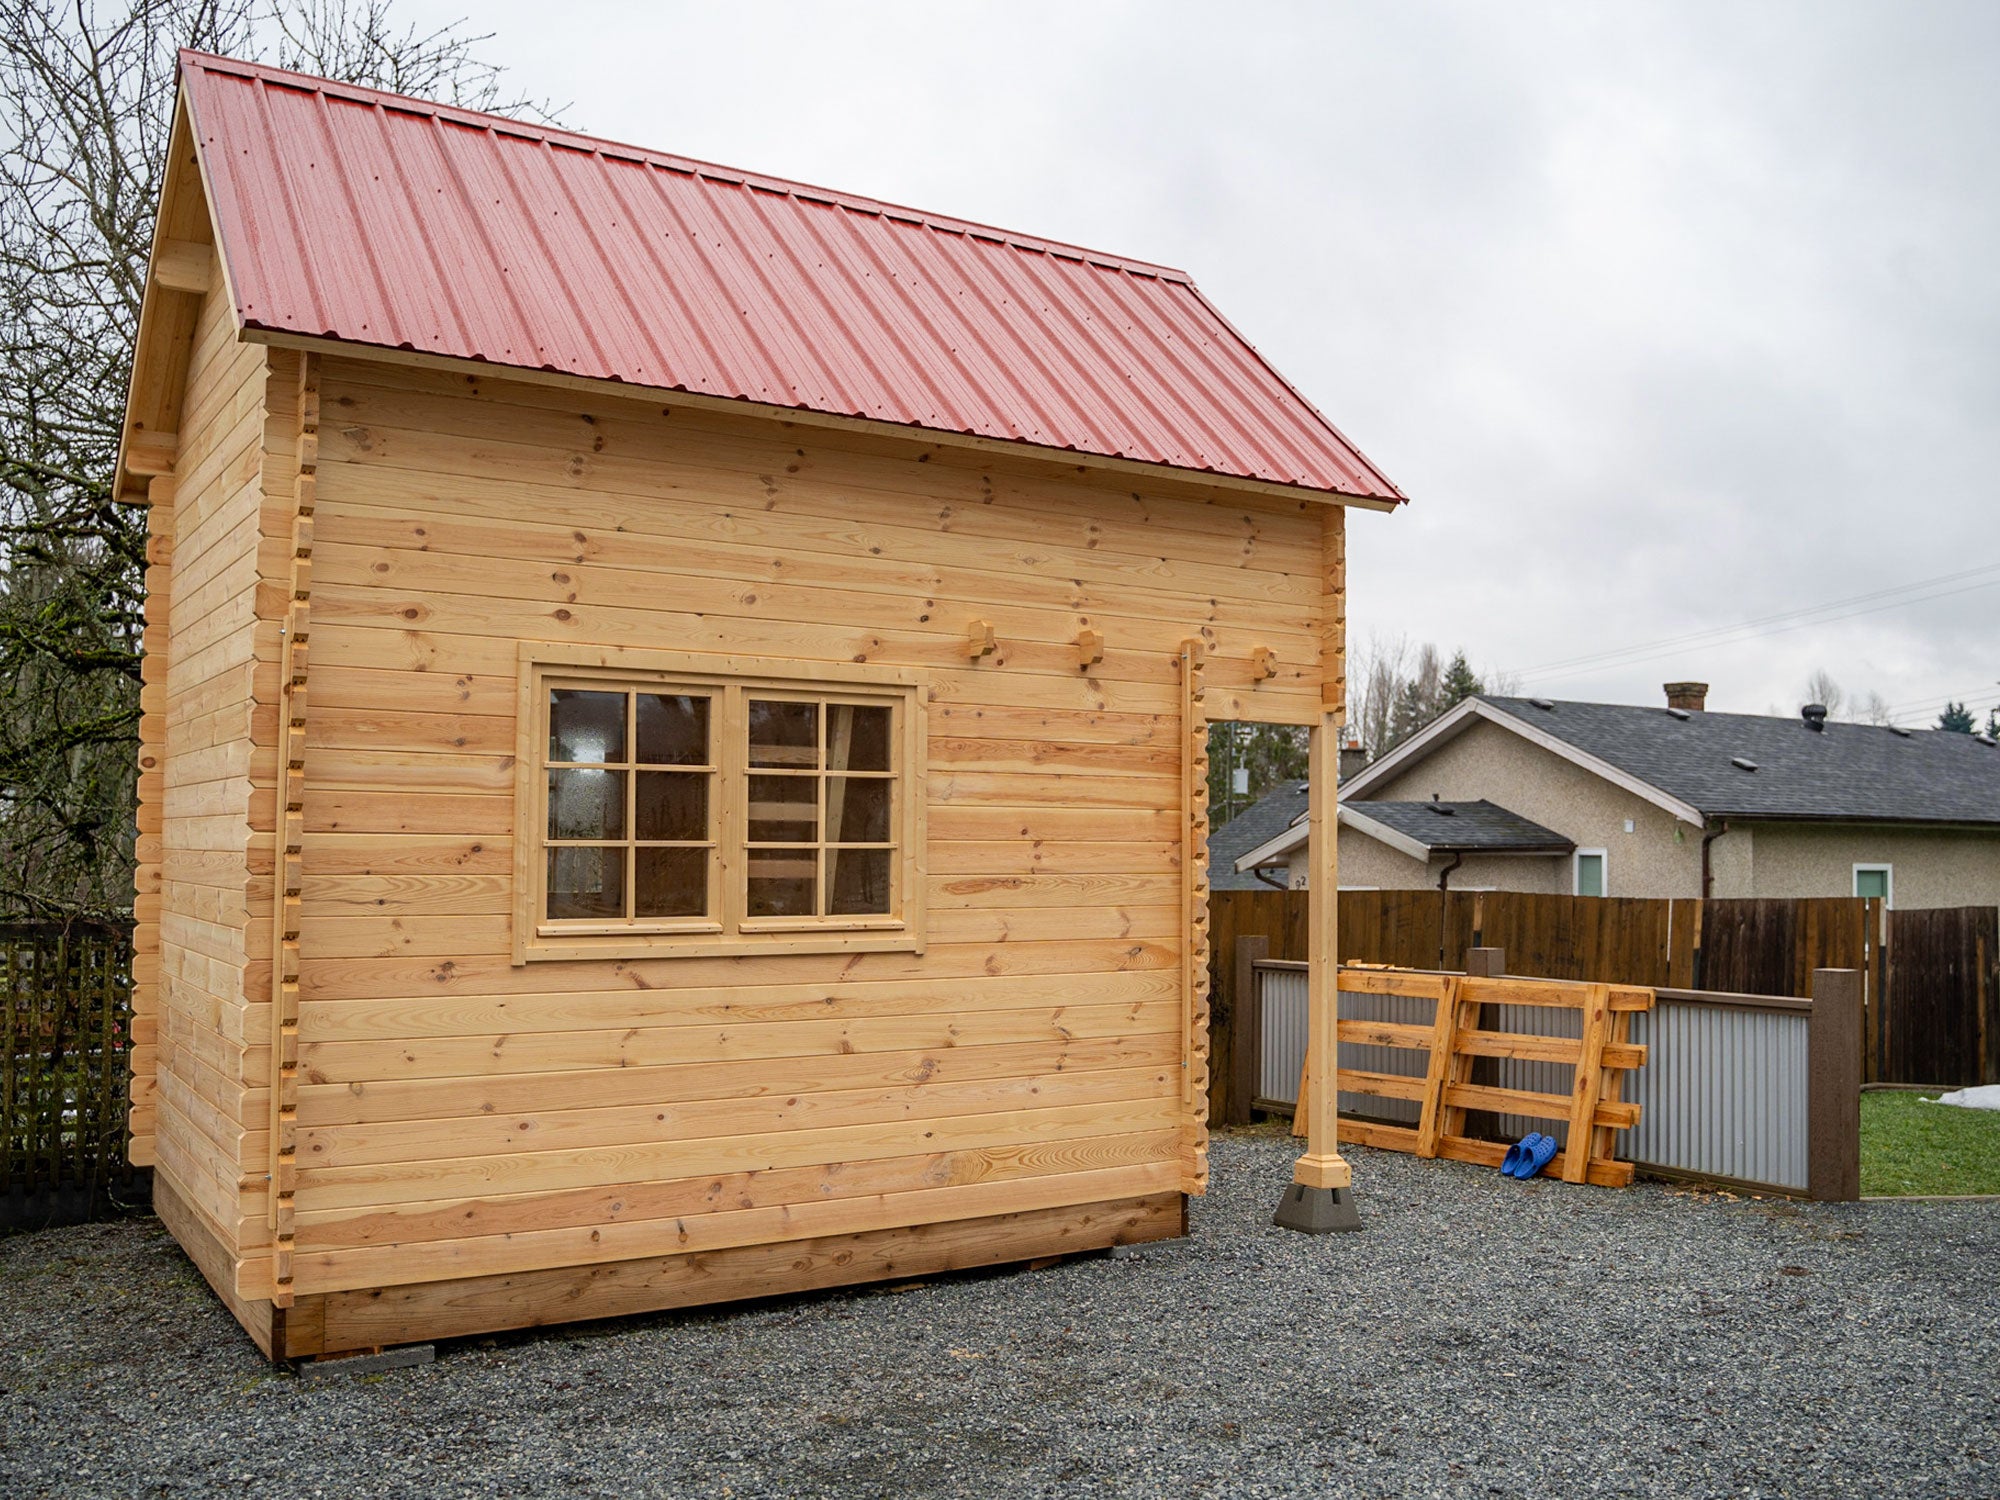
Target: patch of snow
[[1984, 1097]]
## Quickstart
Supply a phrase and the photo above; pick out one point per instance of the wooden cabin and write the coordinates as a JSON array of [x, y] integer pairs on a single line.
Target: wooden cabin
[[674, 714]]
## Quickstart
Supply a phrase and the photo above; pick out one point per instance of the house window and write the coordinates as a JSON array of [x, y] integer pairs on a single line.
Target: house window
[[1590, 878], [675, 804], [1877, 882]]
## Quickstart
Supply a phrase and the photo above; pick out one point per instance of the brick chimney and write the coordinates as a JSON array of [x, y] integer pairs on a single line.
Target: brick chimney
[[1692, 696], [1353, 760]]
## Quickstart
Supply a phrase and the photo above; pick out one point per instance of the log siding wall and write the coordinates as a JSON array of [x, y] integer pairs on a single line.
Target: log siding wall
[[200, 1092], [460, 1116]]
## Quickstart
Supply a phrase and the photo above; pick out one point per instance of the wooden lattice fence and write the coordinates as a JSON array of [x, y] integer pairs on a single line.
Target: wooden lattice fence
[[65, 1073]]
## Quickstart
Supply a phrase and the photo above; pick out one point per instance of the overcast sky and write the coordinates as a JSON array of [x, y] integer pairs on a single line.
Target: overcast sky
[[1667, 317]]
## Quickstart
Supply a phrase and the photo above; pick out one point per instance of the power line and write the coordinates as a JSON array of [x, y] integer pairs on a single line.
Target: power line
[[1763, 625], [1749, 636]]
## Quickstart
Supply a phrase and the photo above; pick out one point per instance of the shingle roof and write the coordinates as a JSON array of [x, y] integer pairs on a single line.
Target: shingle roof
[[1266, 818], [1844, 771], [350, 214], [1463, 827]]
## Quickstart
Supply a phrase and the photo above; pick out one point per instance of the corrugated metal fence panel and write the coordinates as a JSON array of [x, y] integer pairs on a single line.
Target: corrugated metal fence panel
[[1723, 1093], [1282, 993]]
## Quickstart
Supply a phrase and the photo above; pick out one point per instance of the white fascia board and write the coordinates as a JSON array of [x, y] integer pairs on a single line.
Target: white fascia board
[[1459, 720], [1415, 748], [1402, 843], [1272, 849]]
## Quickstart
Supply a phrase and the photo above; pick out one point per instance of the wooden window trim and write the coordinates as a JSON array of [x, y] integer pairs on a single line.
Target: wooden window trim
[[728, 931]]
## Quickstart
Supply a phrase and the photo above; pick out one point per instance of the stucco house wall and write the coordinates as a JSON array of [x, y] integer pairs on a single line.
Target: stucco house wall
[[1661, 856], [1369, 864], [1944, 867]]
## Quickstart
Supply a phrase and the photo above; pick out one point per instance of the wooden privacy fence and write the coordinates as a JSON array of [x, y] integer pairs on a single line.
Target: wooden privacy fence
[[65, 1072], [1931, 979], [1940, 982]]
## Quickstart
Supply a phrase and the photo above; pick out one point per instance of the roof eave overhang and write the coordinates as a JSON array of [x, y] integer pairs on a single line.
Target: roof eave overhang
[[1442, 731], [1849, 820], [1271, 849], [1134, 469]]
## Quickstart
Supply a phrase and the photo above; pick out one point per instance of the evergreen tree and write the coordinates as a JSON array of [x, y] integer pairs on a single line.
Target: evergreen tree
[[1957, 718], [1460, 682], [1272, 753]]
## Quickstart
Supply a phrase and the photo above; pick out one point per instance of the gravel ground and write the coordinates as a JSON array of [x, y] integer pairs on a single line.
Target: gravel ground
[[1479, 1339]]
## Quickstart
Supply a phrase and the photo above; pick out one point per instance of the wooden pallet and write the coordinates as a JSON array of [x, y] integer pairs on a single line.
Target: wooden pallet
[[1594, 1109]]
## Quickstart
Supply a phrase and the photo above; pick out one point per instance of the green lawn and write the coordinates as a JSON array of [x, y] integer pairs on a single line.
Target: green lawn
[[1910, 1146]]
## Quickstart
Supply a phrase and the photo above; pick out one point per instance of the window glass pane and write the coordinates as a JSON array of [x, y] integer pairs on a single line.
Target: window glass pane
[[587, 804], [784, 809], [1590, 874], [586, 726], [673, 729], [670, 883], [783, 883], [857, 739], [783, 734], [857, 881], [672, 805], [1871, 883], [857, 811], [586, 883]]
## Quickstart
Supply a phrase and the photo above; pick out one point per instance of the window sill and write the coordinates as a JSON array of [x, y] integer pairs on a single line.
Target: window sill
[[568, 948]]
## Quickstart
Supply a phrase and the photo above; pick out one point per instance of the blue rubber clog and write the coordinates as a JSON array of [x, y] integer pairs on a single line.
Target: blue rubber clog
[[1540, 1156], [1518, 1156]]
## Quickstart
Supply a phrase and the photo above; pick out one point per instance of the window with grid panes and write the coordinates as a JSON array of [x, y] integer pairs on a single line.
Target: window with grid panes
[[699, 812]]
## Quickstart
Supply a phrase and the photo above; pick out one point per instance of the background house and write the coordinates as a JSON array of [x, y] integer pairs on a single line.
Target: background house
[[1672, 801]]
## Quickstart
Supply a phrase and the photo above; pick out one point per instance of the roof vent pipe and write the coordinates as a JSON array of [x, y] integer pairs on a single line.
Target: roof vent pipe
[[1692, 696], [1815, 716]]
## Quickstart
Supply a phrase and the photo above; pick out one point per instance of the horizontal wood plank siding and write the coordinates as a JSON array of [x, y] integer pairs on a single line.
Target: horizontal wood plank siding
[[205, 1077], [463, 1116]]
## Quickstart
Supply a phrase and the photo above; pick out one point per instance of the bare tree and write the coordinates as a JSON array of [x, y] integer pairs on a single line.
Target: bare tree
[[1873, 709], [1823, 690], [1374, 676], [86, 102]]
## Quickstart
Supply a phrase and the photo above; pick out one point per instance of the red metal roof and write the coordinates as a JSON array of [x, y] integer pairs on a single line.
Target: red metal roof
[[375, 219]]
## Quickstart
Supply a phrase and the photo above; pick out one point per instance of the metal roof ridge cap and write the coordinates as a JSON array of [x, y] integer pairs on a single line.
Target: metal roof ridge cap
[[691, 166]]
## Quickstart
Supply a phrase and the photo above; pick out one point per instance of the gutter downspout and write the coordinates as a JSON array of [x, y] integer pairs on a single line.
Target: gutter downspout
[[1260, 872], [1709, 836], [1444, 875]]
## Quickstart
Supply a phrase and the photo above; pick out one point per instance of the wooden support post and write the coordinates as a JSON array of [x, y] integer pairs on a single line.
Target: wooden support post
[[1322, 1165], [1833, 1087], [1246, 1028]]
